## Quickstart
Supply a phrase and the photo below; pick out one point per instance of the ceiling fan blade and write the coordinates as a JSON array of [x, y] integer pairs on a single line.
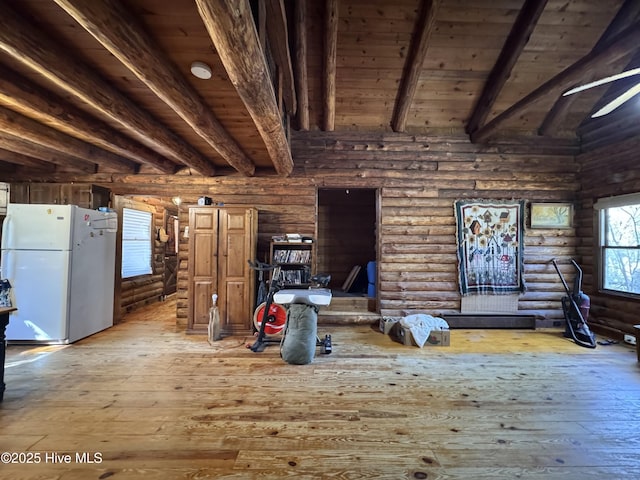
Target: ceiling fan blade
[[616, 102], [597, 83]]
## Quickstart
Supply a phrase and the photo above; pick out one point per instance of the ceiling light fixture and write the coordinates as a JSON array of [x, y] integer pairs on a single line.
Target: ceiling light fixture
[[201, 70]]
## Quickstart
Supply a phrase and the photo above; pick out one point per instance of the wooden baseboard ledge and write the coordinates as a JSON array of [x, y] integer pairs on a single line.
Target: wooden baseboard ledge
[[492, 320], [330, 317]]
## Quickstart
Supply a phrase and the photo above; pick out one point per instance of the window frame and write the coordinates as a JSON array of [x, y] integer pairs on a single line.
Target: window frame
[[601, 208], [149, 239]]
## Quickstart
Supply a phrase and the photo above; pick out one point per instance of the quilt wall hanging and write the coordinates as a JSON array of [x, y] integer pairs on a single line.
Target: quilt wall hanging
[[490, 246]]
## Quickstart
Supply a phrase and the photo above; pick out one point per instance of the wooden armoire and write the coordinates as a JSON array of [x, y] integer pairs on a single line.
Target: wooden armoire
[[221, 241]]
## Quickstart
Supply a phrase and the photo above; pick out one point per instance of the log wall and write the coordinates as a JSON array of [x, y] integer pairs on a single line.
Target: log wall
[[610, 315], [418, 179]]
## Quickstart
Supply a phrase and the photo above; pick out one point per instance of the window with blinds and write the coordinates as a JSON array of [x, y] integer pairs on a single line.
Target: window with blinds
[[136, 242]]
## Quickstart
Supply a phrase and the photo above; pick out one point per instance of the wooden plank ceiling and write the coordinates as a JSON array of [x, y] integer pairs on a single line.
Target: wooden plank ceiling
[[105, 86]]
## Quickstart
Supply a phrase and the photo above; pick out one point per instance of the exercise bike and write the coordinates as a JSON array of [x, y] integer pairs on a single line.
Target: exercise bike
[[290, 317]]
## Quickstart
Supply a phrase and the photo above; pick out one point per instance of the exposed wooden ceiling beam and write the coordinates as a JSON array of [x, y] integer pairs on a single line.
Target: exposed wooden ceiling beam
[[628, 14], [554, 118], [26, 161], [26, 43], [122, 34], [278, 34], [514, 45], [62, 161], [231, 27], [24, 96], [300, 45], [23, 127], [413, 64], [262, 25], [329, 64], [624, 44]]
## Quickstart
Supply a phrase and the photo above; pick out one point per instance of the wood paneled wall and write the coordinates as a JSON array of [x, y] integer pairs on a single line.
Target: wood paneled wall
[[610, 315]]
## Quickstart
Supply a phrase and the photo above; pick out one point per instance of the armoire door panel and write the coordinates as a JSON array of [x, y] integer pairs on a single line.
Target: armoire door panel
[[237, 254], [204, 254], [235, 306], [237, 245], [202, 291], [203, 278], [236, 220], [205, 220]]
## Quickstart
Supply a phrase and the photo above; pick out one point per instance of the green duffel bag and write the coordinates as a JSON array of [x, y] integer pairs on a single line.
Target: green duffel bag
[[301, 333]]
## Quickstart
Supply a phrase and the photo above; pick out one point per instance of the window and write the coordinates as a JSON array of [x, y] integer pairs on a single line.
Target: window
[[619, 239], [136, 242]]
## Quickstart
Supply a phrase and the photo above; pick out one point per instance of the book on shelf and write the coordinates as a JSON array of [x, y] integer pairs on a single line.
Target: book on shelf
[[291, 256], [295, 277]]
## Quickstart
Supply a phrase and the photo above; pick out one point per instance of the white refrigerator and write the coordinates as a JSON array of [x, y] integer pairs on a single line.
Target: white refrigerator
[[60, 261]]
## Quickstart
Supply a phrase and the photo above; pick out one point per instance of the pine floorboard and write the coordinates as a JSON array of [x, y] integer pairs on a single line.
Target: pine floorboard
[[147, 401]]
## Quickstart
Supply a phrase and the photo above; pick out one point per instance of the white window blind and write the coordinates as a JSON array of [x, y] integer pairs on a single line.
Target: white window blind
[[136, 242]]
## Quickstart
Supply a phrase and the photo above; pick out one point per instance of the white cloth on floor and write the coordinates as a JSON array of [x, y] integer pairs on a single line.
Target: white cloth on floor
[[421, 325]]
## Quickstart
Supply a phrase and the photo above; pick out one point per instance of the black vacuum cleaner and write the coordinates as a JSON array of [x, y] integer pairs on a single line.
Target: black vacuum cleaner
[[576, 310]]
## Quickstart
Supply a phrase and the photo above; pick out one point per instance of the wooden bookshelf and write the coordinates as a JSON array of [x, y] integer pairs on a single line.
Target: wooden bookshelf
[[296, 260]]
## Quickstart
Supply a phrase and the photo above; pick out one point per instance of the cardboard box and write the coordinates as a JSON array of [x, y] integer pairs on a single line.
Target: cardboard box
[[439, 338], [397, 333], [404, 336], [387, 323]]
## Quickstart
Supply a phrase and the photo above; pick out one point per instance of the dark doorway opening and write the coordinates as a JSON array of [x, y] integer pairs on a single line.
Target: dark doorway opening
[[347, 237], [170, 276]]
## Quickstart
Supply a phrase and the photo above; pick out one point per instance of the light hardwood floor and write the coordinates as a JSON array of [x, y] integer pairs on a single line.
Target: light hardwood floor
[[145, 401]]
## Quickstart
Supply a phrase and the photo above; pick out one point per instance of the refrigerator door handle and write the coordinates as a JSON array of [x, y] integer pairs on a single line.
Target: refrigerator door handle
[[7, 232], [8, 264]]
